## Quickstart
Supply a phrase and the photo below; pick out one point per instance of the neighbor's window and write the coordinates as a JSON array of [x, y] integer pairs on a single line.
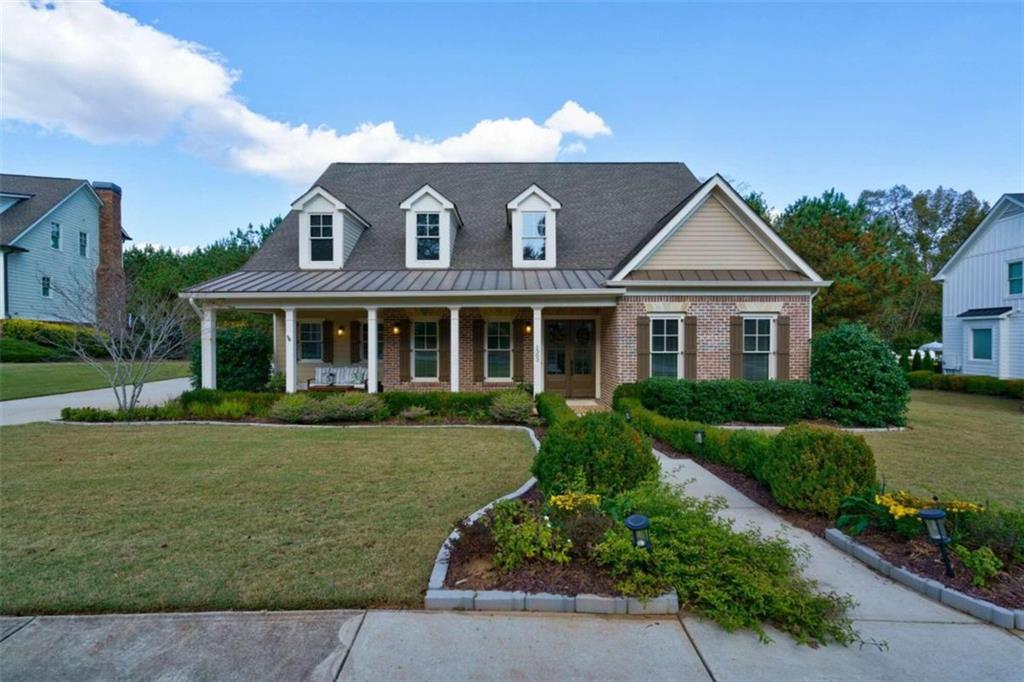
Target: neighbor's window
[[981, 344], [1016, 275], [424, 350], [757, 348], [54, 235], [498, 348], [46, 287], [83, 244], [535, 236], [321, 237], [428, 236], [364, 332], [665, 347], [311, 341]]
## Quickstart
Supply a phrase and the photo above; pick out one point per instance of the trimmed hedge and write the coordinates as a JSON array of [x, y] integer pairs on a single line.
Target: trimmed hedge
[[732, 400], [441, 403], [19, 350], [243, 359], [303, 408], [553, 408], [201, 403], [809, 469], [600, 451], [54, 335], [967, 383], [861, 382]]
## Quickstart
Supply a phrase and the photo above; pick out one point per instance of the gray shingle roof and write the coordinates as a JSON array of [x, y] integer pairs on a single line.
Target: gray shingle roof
[[985, 312], [348, 281], [45, 194], [607, 209]]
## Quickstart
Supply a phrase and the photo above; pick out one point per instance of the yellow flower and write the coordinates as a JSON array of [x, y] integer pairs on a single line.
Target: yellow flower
[[573, 502]]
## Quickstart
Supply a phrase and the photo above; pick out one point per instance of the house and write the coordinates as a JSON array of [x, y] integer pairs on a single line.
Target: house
[[59, 232], [571, 277], [983, 296]]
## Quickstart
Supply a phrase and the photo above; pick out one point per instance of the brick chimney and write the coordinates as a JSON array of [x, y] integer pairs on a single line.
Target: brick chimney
[[110, 280]]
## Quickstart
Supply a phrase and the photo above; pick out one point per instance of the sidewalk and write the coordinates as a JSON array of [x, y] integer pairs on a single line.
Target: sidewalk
[[47, 407]]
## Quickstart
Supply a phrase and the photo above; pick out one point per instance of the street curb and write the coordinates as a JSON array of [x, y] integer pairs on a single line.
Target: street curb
[[933, 589], [440, 598]]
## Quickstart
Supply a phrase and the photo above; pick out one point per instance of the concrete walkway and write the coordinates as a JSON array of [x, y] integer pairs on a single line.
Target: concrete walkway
[[47, 407]]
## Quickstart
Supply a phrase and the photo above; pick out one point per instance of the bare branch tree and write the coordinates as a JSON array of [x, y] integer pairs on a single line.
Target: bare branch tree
[[129, 340]]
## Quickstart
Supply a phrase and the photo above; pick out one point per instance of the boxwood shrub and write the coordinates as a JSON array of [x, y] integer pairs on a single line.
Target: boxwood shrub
[[553, 408], [732, 400], [861, 381], [599, 450], [441, 403], [18, 350], [55, 335], [967, 383], [243, 359]]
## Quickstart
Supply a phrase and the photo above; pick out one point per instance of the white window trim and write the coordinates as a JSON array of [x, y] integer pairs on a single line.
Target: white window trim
[[60, 236], [511, 351], [680, 362], [773, 350], [1006, 270], [448, 222], [333, 238], [412, 350], [992, 343], [80, 235], [344, 219], [298, 340], [550, 228], [49, 289]]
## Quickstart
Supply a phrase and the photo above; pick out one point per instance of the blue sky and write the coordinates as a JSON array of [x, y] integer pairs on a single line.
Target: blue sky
[[199, 116]]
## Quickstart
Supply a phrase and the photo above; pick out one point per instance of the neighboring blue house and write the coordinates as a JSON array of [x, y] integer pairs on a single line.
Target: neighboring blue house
[[57, 236]]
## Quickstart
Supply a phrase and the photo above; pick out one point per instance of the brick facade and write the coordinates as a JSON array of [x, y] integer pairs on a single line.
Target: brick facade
[[110, 277]]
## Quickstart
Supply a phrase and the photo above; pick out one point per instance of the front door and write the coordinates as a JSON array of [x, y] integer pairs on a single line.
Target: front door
[[570, 357]]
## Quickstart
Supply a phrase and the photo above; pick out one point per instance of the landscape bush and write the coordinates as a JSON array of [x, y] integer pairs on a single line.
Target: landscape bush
[[138, 414], [243, 359], [354, 407], [967, 383], [298, 408], [203, 403], [441, 403], [520, 536], [512, 406], [812, 468], [599, 448], [732, 400], [738, 579], [861, 382], [553, 408], [54, 335], [19, 350]]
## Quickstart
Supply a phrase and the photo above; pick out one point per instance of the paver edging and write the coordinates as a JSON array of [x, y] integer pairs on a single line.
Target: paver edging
[[933, 589]]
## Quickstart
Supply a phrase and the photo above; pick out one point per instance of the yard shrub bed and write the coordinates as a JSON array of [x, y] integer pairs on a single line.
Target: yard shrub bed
[[19, 350], [553, 408], [732, 400], [53, 335], [441, 403], [967, 383]]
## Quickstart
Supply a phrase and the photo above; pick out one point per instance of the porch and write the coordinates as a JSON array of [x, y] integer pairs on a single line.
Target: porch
[[451, 348]]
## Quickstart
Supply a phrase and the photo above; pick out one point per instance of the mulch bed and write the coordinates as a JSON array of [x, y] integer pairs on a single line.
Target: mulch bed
[[917, 555], [470, 566]]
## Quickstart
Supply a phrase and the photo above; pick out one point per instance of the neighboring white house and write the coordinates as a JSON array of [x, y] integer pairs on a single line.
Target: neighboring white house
[[983, 296]]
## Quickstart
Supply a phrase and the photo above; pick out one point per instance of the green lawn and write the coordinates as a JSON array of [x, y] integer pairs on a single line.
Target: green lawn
[[959, 445], [190, 517], [29, 379]]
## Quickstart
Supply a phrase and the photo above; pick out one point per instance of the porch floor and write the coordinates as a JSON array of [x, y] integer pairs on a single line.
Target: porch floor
[[585, 405]]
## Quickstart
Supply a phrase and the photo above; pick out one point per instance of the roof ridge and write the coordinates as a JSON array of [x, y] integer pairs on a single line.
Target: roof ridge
[[41, 177]]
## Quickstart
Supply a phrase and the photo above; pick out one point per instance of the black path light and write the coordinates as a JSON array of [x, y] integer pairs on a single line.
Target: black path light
[[638, 524], [935, 524], [698, 437]]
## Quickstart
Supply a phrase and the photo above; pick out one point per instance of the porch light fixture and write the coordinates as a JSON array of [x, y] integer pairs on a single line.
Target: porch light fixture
[[935, 524], [341, 330], [528, 328], [698, 438], [638, 524], [396, 330]]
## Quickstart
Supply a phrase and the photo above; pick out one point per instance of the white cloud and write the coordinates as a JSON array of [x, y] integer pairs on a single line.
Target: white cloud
[[122, 81], [577, 147]]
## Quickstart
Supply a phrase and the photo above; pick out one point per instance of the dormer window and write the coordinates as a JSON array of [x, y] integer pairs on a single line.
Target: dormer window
[[431, 221], [428, 236], [321, 237], [532, 216]]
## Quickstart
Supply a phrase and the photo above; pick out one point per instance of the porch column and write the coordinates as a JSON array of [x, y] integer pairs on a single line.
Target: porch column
[[453, 343], [538, 350], [209, 348], [290, 367], [372, 370]]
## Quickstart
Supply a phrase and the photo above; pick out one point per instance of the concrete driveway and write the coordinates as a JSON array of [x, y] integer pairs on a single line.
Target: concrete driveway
[[47, 407]]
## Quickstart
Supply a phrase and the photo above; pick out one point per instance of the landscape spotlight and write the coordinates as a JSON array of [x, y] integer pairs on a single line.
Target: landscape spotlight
[[638, 524], [698, 437], [935, 524]]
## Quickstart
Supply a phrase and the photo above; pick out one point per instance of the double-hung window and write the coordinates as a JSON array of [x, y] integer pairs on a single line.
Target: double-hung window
[[1015, 275], [535, 236], [981, 343], [55, 236], [428, 236], [665, 347], [498, 349], [757, 348], [364, 345], [83, 244], [45, 287], [311, 341], [424, 350], [321, 237]]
